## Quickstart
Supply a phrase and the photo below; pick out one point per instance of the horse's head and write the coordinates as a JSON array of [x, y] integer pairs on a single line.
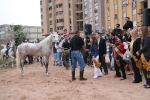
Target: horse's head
[[54, 37]]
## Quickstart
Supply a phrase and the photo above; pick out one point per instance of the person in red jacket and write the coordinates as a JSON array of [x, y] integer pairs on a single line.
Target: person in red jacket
[[118, 55]]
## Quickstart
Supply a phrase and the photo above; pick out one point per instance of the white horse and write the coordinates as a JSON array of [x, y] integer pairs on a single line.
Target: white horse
[[11, 53], [42, 49]]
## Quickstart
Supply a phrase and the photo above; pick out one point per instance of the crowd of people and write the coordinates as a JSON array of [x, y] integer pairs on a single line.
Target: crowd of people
[[128, 49]]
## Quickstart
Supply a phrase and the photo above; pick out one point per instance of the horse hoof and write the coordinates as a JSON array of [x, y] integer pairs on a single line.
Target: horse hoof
[[47, 74], [23, 75]]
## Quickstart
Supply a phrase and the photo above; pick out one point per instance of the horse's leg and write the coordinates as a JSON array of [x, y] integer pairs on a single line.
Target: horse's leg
[[12, 61], [3, 61], [41, 61], [46, 65], [21, 66]]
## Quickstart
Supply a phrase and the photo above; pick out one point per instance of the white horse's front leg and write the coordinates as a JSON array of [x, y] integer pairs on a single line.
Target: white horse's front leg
[[3, 61], [46, 65], [12, 64]]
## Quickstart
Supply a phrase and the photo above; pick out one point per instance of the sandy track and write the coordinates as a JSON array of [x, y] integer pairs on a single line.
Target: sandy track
[[58, 86]]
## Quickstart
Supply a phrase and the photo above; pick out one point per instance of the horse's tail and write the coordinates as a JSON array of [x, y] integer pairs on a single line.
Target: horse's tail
[[17, 58]]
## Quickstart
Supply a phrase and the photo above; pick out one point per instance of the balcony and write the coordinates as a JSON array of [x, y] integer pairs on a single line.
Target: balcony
[[79, 11], [142, 0], [79, 19], [79, 2]]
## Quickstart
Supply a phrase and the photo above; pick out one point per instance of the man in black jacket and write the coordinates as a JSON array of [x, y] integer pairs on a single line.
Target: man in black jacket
[[102, 52], [128, 24], [76, 45]]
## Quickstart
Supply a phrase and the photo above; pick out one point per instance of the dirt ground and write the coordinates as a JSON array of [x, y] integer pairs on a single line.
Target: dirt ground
[[58, 86]]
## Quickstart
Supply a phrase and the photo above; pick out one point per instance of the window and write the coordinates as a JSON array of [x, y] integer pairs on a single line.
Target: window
[[124, 14], [59, 5], [42, 30], [51, 29], [50, 15], [108, 9], [86, 22], [60, 12], [40, 2], [50, 22], [41, 9], [91, 20], [134, 23], [95, 1], [59, 20], [85, 13], [85, 5], [70, 28], [60, 28], [108, 18], [116, 16], [41, 23], [69, 13], [96, 28], [90, 1], [57, 13], [50, 8], [41, 16], [69, 5], [50, 1], [96, 19], [70, 20], [90, 9], [134, 11], [115, 6], [96, 9]]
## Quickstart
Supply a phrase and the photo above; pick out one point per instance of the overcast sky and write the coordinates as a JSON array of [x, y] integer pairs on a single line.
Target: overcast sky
[[22, 12]]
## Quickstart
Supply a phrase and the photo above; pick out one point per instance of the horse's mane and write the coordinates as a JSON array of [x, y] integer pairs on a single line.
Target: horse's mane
[[46, 40]]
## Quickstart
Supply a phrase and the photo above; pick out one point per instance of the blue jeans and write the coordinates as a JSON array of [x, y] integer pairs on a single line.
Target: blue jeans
[[77, 56], [65, 59], [60, 57]]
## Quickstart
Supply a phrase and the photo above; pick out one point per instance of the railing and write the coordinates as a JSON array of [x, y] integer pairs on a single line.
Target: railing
[[79, 0]]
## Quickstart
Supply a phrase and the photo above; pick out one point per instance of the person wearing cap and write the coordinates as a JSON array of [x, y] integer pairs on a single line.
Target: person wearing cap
[[102, 52]]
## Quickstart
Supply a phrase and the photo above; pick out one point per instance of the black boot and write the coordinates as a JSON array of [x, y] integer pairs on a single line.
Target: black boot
[[73, 76], [81, 76]]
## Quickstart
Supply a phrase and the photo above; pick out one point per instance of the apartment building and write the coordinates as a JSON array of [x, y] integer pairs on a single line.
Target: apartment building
[[57, 15], [117, 10], [94, 14], [32, 32]]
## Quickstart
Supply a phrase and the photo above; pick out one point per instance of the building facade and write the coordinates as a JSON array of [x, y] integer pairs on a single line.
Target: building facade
[[94, 14], [57, 15], [117, 10], [33, 32]]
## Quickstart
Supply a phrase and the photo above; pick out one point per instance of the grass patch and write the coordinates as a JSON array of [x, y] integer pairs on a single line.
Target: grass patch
[[8, 62]]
